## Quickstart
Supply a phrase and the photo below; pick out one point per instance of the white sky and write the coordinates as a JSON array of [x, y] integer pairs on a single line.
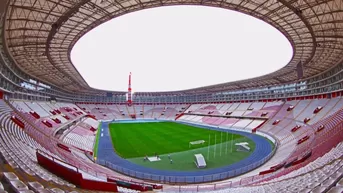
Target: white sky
[[179, 47]]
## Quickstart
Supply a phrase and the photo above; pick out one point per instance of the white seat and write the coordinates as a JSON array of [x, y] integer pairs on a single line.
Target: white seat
[[26, 191], [18, 185], [305, 190], [319, 189], [340, 182], [57, 190], [43, 191], [336, 189], [35, 186], [328, 182], [9, 176]]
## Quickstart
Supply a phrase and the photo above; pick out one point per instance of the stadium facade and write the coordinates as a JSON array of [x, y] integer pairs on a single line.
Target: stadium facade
[[39, 82]]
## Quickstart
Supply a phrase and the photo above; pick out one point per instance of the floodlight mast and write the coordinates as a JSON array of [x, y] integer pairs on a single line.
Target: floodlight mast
[[129, 100]]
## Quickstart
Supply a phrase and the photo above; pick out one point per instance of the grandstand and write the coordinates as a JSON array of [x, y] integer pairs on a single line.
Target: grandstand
[[51, 119]]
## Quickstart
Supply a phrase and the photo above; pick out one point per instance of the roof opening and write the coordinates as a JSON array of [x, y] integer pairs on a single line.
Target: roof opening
[[179, 47]]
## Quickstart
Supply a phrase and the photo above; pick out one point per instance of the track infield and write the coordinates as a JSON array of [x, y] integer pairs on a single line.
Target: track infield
[[134, 141]]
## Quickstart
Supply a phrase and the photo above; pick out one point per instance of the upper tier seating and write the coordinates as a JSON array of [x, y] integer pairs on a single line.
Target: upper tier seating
[[255, 109], [114, 111]]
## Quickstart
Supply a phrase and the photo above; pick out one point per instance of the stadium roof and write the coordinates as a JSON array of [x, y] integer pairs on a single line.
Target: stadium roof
[[41, 33]]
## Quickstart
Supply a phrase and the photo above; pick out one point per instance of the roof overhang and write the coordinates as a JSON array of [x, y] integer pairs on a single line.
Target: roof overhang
[[40, 34]]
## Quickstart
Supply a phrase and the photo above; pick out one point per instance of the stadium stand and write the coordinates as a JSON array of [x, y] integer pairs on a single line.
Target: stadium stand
[[49, 114], [80, 137], [163, 112]]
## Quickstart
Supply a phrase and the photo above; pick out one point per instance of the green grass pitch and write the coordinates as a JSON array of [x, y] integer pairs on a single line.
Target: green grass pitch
[[133, 141], [96, 144]]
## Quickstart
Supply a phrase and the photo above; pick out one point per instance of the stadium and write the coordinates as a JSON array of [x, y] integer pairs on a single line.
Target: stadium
[[280, 132]]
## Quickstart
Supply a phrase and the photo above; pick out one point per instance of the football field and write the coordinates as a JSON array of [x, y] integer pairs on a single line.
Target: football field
[[134, 141]]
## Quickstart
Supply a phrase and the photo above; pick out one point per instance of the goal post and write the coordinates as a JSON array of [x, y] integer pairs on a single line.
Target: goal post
[[196, 142]]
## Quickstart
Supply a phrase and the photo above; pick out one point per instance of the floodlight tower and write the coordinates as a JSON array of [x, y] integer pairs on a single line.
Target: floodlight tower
[[129, 101]]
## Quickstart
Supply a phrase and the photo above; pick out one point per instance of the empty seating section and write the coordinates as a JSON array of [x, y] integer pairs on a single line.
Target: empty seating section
[[311, 106], [81, 136], [284, 151], [217, 121], [320, 172], [320, 179], [300, 107], [191, 118], [332, 155], [240, 109], [207, 120], [19, 150], [253, 124], [82, 162], [46, 107], [51, 115], [37, 108], [59, 117], [233, 107], [146, 111], [194, 112], [139, 111], [255, 109], [223, 109], [162, 111], [103, 110], [288, 148], [307, 130], [116, 111], [130, 110], [19, 155], [270, 108], [157, 111], [179, 109], [91, 122], [333, 106], [70, 105], [85, 107], [257, 105], [33, 186], [282, 131], [100, 112], [21, 106], [223, 122], [123, 111], [92, 106], [193, 107], [242, 123]]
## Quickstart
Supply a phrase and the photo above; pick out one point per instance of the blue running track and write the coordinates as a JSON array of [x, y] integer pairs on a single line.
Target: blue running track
[[106, 153]]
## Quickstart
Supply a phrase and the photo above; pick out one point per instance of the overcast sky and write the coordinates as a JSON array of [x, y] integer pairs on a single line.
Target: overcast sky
[[179, 47]]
